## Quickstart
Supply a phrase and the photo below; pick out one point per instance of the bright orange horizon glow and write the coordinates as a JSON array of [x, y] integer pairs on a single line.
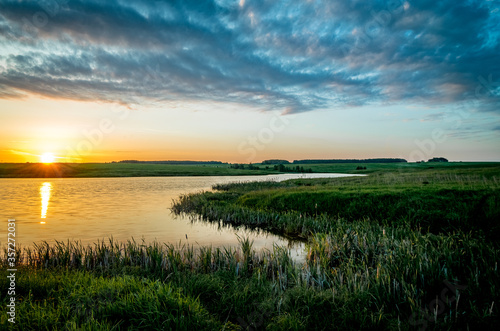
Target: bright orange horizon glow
[[47, 158], [105, 132]]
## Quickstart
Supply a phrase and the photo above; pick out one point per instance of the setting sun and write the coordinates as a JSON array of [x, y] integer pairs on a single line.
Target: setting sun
[[47, 158]]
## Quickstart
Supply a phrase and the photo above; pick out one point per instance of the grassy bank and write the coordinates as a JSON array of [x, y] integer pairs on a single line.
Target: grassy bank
[[432, 200], [362, 276], [395, 240], [395, 250]]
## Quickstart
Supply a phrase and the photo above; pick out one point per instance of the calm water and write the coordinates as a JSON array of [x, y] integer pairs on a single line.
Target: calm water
[[91, 209]]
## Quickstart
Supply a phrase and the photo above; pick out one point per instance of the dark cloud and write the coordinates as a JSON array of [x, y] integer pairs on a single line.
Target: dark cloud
[[297, 56]]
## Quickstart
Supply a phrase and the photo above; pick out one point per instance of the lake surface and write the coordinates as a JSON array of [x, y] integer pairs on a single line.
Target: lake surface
[[92, 209]]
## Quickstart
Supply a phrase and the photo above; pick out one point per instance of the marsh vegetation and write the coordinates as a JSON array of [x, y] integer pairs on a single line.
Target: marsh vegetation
[[394, 250]]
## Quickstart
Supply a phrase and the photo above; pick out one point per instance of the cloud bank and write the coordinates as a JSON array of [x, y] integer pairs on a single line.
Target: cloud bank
[[292, 56]]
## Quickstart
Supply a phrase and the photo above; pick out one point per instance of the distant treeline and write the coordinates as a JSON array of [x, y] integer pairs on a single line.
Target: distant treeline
[[172, 162], [381, 160], [350, 161], [275, 161], [276, 167]]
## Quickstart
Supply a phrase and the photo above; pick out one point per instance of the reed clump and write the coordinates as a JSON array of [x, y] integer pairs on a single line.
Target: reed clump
[[359, 275]]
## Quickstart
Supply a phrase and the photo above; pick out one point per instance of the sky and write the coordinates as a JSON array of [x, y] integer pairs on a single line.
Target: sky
[[245, 81]]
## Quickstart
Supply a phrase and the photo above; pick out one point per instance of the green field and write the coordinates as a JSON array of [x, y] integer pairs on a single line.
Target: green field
[[407, 247], [68, 170], [466, 168], [71, 170]]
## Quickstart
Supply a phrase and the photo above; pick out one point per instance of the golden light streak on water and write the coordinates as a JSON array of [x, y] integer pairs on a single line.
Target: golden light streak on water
[[45, 195]]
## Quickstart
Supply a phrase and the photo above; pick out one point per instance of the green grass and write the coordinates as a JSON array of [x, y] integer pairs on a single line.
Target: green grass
[[359, 276], [399, 250], [394, 240], [39, 170], [437, 201], [74, 300], [452, 167], [69, 170]]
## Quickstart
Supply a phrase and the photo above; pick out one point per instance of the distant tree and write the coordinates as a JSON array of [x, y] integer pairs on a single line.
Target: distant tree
[[438, 159], [252, 167], [275, 161]]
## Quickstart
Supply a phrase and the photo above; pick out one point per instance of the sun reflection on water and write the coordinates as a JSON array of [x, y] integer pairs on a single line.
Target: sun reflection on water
[[45, 194]]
